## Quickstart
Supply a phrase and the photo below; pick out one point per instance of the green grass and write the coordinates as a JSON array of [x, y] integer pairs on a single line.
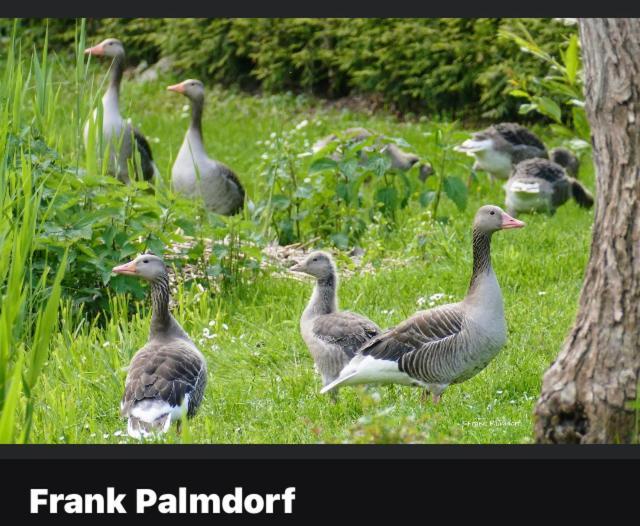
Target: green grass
[[262, 387]]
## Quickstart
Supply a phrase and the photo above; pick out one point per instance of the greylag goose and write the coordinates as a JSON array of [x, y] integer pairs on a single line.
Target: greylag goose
[[168, 375], [332, 336], [119, 134], [540, 185], [398, 157], [567, 160], [502, 146], [194, 173], [446, 344]]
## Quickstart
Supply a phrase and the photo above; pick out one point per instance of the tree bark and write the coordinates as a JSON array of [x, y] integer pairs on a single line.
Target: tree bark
[[586, 393]]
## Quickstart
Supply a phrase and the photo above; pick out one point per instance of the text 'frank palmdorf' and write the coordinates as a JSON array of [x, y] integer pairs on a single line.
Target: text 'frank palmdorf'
[[148, 500]]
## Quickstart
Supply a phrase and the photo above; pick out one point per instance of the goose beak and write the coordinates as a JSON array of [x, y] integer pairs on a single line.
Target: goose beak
[[178, 88], [128, 269], [511, 222], [296, 268], [96, 51]]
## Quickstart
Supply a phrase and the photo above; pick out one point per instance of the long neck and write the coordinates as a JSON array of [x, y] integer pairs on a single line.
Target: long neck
[[111, 99], [323, 300], [161, 319], [481, 258], [195, 128]]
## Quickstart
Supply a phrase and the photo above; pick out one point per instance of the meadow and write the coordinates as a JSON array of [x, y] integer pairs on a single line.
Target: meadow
[[262, 387]]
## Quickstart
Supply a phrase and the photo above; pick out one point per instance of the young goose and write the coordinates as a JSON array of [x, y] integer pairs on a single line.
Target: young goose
[[540, 185], [168, 375], [120, 136], [399, 158], [194, 173], [332, 336], [447, 344], [500, 147], [567, 160]]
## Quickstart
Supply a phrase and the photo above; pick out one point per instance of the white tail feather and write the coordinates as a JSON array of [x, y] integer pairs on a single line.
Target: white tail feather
[[525, 187], [337, 382], [470, 146]]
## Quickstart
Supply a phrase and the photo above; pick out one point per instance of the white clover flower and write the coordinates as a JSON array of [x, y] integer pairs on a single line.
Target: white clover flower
[[421, 301], [302, 124], [437, 296]]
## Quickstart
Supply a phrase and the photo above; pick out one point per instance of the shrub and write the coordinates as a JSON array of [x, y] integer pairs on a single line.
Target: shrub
[[450, 67]]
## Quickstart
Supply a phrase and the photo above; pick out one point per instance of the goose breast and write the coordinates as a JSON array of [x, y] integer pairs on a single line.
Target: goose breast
[[333, 339]]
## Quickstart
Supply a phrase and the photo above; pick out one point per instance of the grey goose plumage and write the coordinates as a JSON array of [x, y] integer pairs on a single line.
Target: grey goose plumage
[[332, 336], [168, 375], [125, 143], [194, 173], [567, 159], [446, 344], [540, 185], [502, 146], [400, 159]]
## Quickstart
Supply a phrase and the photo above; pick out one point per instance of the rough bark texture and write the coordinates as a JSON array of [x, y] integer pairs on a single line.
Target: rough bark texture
[[586, 392]]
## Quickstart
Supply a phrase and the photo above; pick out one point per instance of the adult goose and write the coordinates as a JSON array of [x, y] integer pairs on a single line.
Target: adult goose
[[167, 376], [502, 146], [540, 185], [447, 344], [121, 138], [194, 173], [332, 336], [399, 158]]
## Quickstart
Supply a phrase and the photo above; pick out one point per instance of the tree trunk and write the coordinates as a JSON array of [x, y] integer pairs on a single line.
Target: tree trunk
[[586, 393]]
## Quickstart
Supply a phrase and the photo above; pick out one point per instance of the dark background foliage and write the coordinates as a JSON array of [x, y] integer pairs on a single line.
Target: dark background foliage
[[452, 68]]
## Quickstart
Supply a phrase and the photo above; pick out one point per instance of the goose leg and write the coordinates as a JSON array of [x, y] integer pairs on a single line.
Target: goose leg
[[436, 398], [179, 427]]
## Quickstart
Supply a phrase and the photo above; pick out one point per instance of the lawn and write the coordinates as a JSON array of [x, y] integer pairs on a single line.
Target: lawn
[[262, 387]]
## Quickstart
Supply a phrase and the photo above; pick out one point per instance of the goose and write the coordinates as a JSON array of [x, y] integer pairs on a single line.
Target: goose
[[566, 159], [331, 335], [119, 134], [400, 159], [194, 173], [540, 185], [167, 376], [502, 146], [447, 344]]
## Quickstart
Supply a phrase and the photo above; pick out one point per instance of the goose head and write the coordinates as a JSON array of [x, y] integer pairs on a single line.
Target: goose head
[[491, 218], [190, 88], [317, 264], [111, 47], [147, 267]]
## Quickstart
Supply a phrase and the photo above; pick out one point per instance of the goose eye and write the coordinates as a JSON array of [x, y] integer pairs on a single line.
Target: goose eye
[[314, 259], [145, 261], [492, 212]]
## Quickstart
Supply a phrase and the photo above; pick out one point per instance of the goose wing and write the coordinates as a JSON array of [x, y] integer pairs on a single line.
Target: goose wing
[[146, 157], [426, 332], [345, 329], [515, 134], [165, 373]]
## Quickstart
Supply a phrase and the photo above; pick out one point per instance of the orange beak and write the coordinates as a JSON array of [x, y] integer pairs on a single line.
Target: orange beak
[[128, 269], [96, 51], [511, 222], [178, 88]]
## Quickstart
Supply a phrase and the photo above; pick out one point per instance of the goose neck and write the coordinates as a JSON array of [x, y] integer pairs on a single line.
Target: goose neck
[[161, 318], [197, 108], [323, 300], [481, 258], [115, 78]]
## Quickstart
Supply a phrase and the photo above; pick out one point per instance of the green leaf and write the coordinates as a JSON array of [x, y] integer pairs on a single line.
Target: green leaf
[[456, 190], [10, 407], [550, 108], [324, 163], [571, 59], [426, 197]]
